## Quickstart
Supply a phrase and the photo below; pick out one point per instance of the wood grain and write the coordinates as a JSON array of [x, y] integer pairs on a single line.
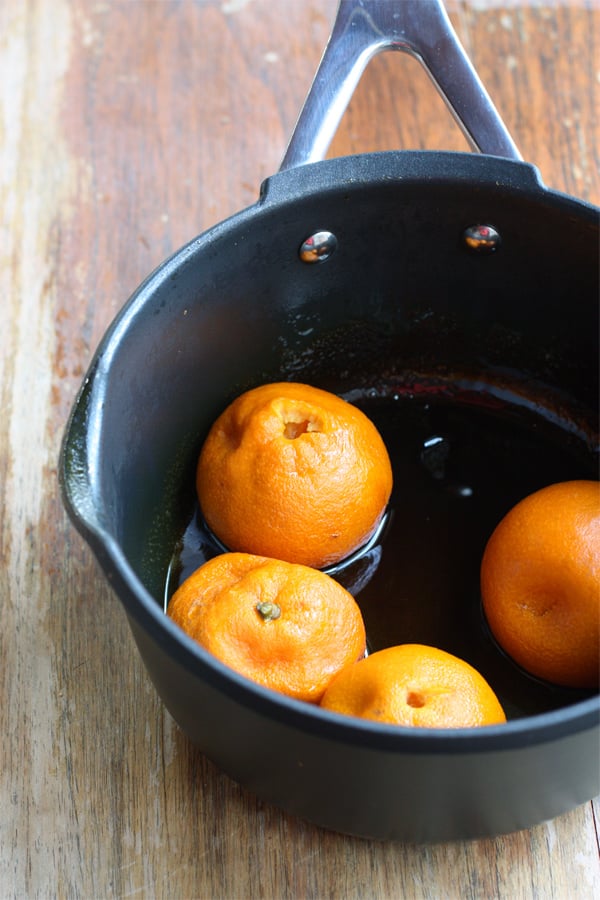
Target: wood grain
[[126, 128]]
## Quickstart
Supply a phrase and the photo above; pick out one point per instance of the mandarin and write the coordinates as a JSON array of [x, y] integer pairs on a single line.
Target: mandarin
[[293, 472], [286, 626], [416, 685], [540, 583]]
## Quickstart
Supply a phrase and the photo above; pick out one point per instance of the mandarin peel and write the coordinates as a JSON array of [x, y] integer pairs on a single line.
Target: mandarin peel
[[540, 584], [283, 625], [414, 685], [295, 473]]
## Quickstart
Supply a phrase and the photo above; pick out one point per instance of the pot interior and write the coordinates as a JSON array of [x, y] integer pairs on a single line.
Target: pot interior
[[480, 370]]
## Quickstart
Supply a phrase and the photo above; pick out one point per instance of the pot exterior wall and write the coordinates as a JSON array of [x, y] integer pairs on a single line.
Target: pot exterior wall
[[369, 792]]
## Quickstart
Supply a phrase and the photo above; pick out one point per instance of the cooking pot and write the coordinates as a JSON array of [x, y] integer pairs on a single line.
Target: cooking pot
[[454, 297]]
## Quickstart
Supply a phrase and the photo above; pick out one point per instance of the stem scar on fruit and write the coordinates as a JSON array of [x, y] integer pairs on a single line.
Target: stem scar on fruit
[[268, 610]]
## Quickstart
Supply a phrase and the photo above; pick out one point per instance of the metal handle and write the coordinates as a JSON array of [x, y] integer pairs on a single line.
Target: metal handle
[[421, 28]]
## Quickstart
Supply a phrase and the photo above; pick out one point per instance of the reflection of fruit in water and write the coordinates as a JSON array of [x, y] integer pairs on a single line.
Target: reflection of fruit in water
[[540, 583], [293, 472], [414, 685], [286, 626]]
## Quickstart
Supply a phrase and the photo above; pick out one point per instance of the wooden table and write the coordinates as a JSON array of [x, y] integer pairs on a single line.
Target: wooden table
[[126, 128]]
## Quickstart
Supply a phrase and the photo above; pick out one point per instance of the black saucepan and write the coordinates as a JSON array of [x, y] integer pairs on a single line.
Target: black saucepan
[[455, 298]]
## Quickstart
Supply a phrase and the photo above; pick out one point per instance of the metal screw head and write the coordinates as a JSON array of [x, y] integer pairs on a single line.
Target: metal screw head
[[318, 247], [481, 238]]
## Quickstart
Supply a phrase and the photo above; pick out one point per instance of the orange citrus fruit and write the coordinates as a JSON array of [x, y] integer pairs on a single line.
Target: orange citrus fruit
[[412, 684], [540, 583], [286, 626], [293, 472]]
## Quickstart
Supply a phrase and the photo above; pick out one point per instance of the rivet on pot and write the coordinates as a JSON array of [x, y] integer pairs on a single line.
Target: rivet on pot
[[318, 247], [481, 238]]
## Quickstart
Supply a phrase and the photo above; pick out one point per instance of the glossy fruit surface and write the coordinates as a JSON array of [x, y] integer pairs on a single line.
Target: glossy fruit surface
[[286, 626], [540, 583], [293, 472], [415, 685]]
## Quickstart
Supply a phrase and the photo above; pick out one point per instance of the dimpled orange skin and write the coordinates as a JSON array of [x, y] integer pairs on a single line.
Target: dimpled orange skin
[[293, 472], [417, 686], [540, 583], [307, 629]]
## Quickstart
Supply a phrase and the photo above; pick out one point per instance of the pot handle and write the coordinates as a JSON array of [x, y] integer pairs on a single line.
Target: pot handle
[[421, 28]]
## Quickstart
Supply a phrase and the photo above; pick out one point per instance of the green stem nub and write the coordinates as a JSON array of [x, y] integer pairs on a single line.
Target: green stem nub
[[268, 610]]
